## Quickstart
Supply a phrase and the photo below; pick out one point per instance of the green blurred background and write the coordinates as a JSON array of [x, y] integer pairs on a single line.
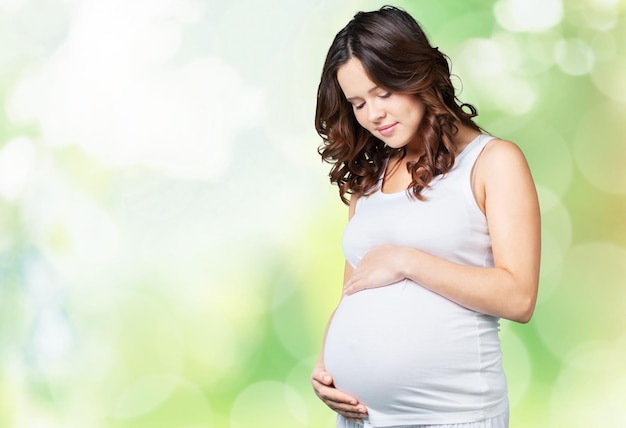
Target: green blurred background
[[169, 242]]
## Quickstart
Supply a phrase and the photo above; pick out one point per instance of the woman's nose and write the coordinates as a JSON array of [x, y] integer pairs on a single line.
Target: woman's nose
[[375, 112]]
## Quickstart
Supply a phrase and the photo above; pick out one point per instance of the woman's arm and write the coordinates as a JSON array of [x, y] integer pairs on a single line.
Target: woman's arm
[[505, 191], [322, 381]]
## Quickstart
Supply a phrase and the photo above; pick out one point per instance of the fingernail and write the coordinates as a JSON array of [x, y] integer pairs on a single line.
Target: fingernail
[[326, 378]]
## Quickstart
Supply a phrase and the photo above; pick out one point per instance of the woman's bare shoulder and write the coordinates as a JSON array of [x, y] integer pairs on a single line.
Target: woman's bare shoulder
[[501, 147], [500, 155]]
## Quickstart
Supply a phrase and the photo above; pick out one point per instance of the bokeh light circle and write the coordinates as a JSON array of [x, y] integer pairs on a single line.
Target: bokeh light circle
[[594, 375], [601, 15], [144, 395], [589, 302], [538, 52], [517, 366], [490, 66], [599, 147], [546, 150], [289, 324], [18, 159], [528, 15], [604, 46], [179, 402], [220, 329], [556, 237], [609, 77], [574, 56], [270, 404]]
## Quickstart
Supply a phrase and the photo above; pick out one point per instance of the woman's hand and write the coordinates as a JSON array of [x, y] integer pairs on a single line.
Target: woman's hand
[[342, 403], [379, 267]]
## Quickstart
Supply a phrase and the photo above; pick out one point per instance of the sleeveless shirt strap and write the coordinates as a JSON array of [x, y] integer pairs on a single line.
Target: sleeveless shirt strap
[[475, 155]]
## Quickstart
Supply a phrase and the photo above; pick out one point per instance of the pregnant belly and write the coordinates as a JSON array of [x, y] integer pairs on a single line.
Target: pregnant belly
[[403, 346]]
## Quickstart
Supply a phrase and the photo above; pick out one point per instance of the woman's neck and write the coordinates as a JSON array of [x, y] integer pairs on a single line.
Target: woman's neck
[[464, 136]]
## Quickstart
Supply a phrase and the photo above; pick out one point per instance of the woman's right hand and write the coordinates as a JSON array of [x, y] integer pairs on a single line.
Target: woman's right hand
[[342, 403]]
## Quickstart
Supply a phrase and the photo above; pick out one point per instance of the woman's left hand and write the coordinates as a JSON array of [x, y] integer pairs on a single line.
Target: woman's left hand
[[379, 267]]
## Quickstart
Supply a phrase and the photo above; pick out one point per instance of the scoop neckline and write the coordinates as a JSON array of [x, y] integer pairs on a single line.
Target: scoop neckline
[[405, 191]]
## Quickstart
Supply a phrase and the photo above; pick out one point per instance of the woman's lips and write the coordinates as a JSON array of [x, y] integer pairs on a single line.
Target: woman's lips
[[387, 130]]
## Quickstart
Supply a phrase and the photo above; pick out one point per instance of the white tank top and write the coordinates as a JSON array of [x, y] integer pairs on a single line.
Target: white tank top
[[412, 356]]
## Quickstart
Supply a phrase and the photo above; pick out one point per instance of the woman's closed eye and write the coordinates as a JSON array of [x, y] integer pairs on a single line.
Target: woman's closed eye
[[359, 106]]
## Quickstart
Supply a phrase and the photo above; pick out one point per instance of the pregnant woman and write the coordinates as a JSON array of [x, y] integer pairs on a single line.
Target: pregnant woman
[[443, 238]]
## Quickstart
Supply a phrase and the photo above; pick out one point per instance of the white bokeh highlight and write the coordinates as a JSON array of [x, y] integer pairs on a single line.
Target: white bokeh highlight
[[18, 160], [117, 94], [574, 56], [490, 68], [528, 15], [600, 152]]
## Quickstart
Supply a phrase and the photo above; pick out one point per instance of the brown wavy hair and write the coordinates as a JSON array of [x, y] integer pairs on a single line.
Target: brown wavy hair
[[398, 57]]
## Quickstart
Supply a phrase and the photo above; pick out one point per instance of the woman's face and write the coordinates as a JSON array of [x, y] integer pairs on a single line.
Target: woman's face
[[392, 117]]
